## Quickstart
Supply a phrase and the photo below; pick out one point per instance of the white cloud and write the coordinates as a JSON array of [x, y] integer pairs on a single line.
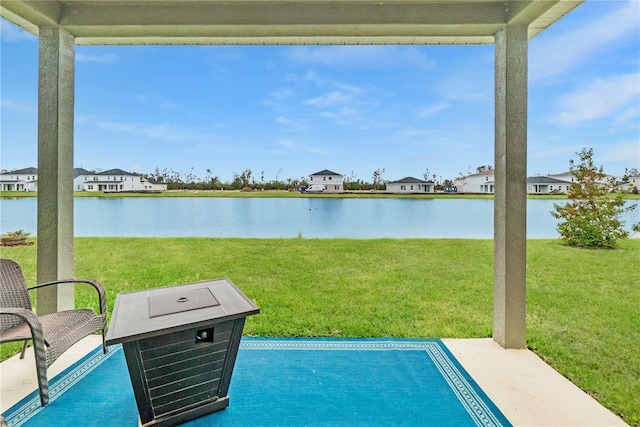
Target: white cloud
[[340, 95], [602, 98], [330, 99], [630, 114], [420, 159], [322, 82], [17, 106], [411, 132], [12, 33], [627, 152], [557, 152], [102, 59], [462, 88], [287, 144], [163, 132], [226, 54], [293, 125], [314, 77], [281, 94], [171, 106], [428, 111], [329, 115], [366, 57], [294, 147], [344, 116], [349, 111], [556, 55]]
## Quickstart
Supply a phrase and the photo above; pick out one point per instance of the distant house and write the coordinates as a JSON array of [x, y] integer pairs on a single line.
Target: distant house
[[113, 180], [570, 177], [333, 182], [19, 180], [629, 184], [546, 185], [458, 184], [409, 185], [564, 176], [481, 182]]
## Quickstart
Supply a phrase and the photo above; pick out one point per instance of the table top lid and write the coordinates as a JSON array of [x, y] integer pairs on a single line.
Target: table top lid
[[153, 312]]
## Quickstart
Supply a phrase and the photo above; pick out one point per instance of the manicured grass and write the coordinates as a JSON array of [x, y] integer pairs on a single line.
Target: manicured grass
[[583, 311]]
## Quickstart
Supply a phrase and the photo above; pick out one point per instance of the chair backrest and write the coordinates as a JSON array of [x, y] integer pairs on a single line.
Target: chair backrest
[[13, 292]]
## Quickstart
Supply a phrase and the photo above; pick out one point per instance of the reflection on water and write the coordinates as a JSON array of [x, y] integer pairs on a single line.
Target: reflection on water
[[284, 218]]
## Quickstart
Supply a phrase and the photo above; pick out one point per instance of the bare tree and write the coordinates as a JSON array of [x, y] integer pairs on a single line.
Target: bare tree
[[377, 177], [629, 173], [484, 168], [245, 177]]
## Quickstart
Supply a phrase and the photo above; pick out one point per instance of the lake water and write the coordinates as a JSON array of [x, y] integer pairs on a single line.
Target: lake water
[[286, 217]]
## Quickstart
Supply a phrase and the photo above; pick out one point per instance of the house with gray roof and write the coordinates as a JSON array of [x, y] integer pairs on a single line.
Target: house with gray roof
[[481, 182], [410, 185], [564, 176], [333, 182], [546, 185], [631, 184], [569, 176], [113, 180], [19, 180]]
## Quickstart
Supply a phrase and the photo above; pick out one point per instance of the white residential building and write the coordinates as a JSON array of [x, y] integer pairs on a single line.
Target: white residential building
[[114, 180], [410, 185], [333, 182], [564, 176], [631, 183], [19, 180], [481, 182], [458, 183], [546, 185], [569, 177]]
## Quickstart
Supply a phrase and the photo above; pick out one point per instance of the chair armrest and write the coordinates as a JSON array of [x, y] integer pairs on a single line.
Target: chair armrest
[[30, 319], [23, 313], [97, 285], [39, 343]]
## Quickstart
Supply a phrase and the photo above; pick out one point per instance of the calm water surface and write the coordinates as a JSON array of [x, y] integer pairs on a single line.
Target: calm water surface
[[283, 218]]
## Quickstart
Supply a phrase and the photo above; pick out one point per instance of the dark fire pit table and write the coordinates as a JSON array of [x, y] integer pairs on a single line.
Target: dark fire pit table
[[180, 343]]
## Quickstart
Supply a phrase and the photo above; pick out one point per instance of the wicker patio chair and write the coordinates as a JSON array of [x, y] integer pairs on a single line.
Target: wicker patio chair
[[52, 334]]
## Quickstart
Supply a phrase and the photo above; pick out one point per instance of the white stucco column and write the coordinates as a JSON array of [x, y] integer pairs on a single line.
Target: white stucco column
[[56, 65], [510, 209]]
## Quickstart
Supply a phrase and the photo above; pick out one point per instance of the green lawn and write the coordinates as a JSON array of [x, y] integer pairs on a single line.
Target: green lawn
[[583, 313]]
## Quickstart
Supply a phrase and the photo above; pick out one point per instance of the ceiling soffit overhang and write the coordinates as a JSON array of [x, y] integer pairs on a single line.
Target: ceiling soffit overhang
[[273, 22]]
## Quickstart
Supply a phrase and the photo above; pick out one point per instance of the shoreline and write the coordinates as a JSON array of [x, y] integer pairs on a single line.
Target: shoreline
[[364, 194]]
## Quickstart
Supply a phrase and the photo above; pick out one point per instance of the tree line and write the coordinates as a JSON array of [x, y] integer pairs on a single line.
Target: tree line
[[247, 179], [189, 180]]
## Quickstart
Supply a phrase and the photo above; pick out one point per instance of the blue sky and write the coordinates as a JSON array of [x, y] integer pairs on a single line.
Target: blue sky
[[289, 111]]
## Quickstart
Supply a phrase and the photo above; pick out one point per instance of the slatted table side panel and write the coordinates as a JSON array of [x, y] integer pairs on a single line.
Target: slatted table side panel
[[182, 370]]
